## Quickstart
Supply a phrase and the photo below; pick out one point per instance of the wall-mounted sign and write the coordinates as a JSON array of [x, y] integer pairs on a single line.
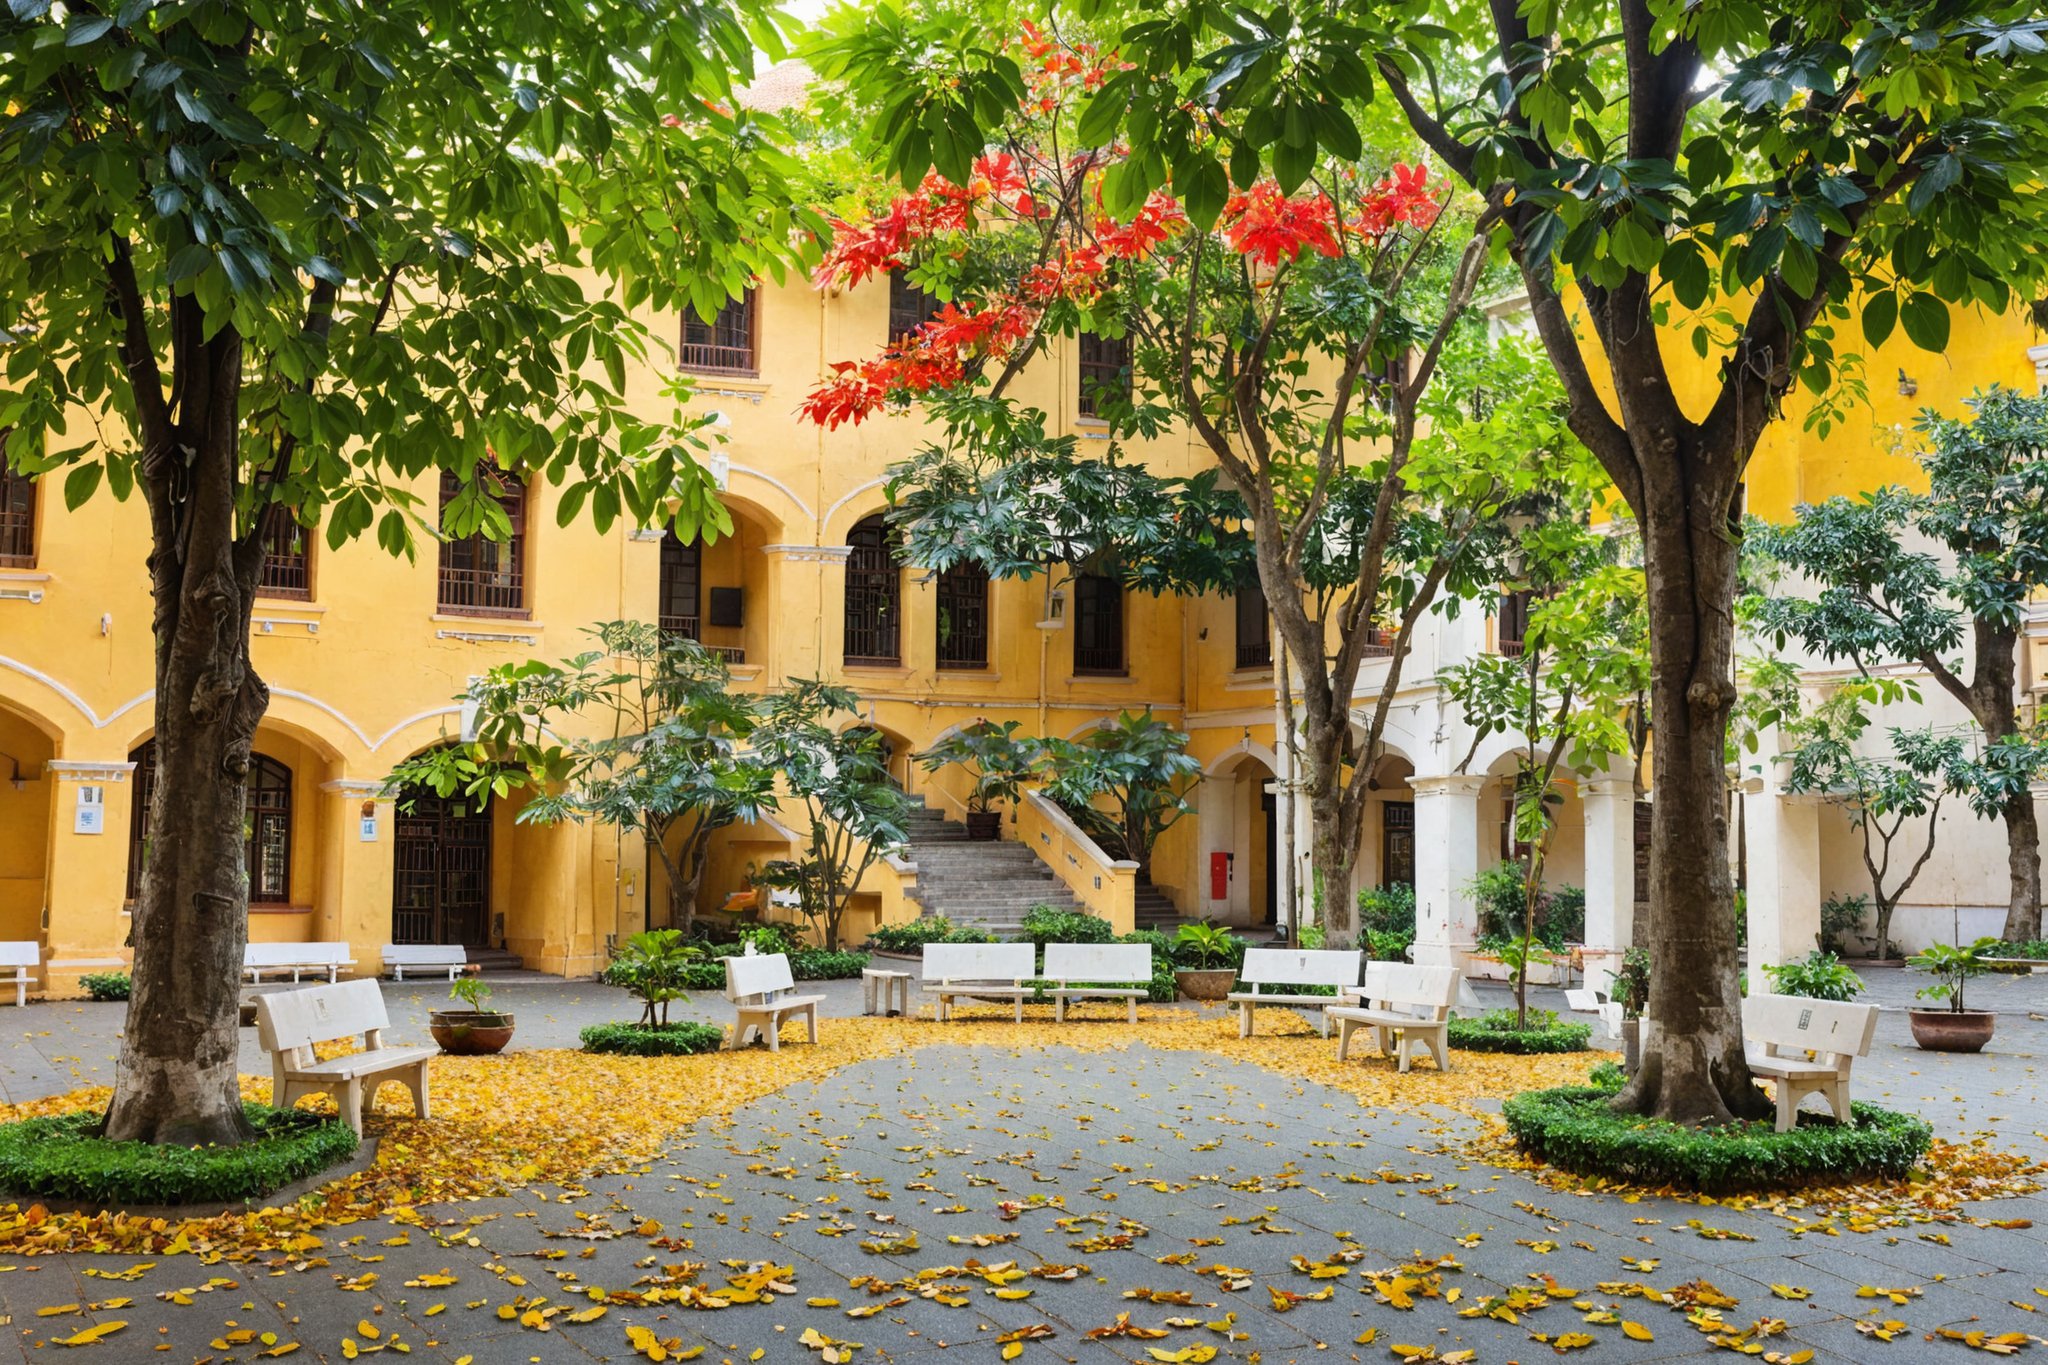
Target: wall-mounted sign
[[368, 834], [90, 816]]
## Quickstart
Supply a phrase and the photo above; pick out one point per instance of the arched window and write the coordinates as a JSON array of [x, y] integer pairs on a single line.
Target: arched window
[[874, 595], [266, 826], [963, 616]]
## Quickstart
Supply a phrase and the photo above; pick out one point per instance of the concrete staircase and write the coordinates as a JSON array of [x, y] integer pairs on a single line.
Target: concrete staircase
[[988, 885], [1155, 911]]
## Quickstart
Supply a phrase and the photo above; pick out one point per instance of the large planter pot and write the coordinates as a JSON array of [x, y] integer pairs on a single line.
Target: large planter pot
[[1204, 983], [1952, 1030], [467, 1033], [984, 826]]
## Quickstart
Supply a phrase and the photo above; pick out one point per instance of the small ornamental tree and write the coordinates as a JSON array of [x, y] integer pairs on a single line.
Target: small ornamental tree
[[836, 773], [276, 263], [644, 734], [1298, 335], [1869, 597], [1137, 763]]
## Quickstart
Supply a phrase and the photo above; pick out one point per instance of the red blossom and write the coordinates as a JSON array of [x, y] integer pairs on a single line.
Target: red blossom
[[1265, 224], [1402, 197], [1158, 220]]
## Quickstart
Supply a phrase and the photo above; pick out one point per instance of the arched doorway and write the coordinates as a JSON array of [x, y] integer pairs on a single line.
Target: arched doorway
[[441, 872]]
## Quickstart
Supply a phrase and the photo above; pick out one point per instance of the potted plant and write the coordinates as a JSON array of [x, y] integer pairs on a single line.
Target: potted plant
[[1205, 961], [1631, 991], [1954, 1029], [998, 762], [472, 1032]]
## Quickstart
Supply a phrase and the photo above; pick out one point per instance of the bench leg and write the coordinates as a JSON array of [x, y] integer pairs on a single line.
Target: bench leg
[[902, 985], [1134, 1009], [20, 991], [352, 1098], [416, 1081], [1244, 1019], [1401, 1040], [1059, 1009], [1345, 1028], [1438, 1043], [1323, 1021], [811, 1018], [280, 1088], [1788, 1105]]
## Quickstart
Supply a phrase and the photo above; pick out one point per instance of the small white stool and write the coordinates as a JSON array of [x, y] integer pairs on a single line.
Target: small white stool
[[892, 987]]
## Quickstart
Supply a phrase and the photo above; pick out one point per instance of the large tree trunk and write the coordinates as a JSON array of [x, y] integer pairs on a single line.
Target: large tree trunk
[[1332, 848], [1992, 700], [177, 1079], [1693, 1069], [2023, 860]]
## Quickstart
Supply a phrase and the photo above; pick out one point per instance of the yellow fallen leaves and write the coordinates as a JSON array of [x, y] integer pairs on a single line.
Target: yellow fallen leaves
[[92, 1336], [1999, 1344]]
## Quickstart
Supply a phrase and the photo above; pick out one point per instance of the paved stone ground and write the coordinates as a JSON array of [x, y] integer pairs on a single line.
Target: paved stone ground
[[1231, 1163]]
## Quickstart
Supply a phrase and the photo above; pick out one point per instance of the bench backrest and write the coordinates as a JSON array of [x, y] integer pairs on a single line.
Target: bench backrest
[[426, 954], [294, 954], [980, 961], [289, 1020], [1098, 962], [1408, 986], [1841, 1027], [1300, 967], [761, 974], [20, 953]]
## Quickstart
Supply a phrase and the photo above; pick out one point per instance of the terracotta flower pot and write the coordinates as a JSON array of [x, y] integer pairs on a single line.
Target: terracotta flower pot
[[465, 1033], [984, 825], [1952, 1030], [1204, 983]]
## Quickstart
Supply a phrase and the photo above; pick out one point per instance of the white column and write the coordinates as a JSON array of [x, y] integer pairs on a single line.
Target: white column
[[1610, 807], [1446, 861], [1784, 875]]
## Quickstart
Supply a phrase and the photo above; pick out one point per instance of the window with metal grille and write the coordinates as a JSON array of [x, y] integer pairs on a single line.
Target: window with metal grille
[[1098, 624], [287, 565], [682, 575], [17, 519], [1511, 626], [266, 826], [1397, 843], [1254, 627], [728, 344], [963, 617], [909, 307], [874, 595], [1105, 373], [480, 576]]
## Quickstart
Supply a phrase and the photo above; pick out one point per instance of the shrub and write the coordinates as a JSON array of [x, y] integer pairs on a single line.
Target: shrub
[[1840, 918], [1497, 893], [1496, 1031], [678, 1039], [105, 985], [63, 1157], [1390, 945], [1573, 1129], [908, 938], [1207, 946], [655, 967], [1045, 924], [1565, 920], [1387, 910], [1631, 985], [1818, 976], [817, 964]]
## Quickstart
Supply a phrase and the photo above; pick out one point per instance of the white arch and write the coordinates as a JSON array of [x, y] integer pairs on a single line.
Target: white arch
[[777, 484], [832, 512], [1242, 749], [1492, 750], [37, 675]]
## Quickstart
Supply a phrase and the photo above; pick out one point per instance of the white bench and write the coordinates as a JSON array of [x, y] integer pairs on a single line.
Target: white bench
[[1083, 970], [1587, 1000], [290, 1023], [425, 959], [1294, 967], [21, 954], [278, 958], [761, 990], [951, 970], [1404, 1005], [1805, 1047]]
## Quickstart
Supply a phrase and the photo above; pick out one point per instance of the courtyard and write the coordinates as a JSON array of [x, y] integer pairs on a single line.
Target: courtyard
[[982, 1190]]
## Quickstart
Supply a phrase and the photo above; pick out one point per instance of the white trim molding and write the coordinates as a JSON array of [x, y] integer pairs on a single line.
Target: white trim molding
[[84, 770], [809, 554]]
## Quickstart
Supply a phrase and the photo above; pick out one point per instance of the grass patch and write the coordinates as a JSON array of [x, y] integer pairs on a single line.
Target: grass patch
[[1573, 1129], [679, 1039], [63, 1157], [1495, 1031]]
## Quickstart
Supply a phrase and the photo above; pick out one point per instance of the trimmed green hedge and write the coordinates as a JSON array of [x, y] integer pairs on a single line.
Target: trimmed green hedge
[[105, 985], [63, 1157], [1495, 1031], [908, 938], [1573, 1129], [678, 1039], [805, 964]]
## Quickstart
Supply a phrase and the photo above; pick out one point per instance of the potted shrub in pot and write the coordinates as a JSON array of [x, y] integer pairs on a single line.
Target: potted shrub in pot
[[1954, 1029], [1205, 961], [997, 760], [472, 1032]]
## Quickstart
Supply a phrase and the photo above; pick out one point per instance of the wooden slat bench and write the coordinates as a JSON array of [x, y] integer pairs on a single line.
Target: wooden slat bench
[[1404, 1005], [1294, 967], [951, 970], [23, 955], [763, 994], [1780, 1031], [425, 959], [319, 959], [1081, 971], [290, 1023]]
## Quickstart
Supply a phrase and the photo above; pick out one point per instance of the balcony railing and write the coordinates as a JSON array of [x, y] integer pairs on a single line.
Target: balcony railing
[[688, 627], [1254, 654]]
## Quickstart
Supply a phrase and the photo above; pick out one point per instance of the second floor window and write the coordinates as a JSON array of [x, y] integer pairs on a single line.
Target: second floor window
[[729, 343], [1105, 373], [682, 576], [963, 617], [480, 576], [1098, 624], [17, 519], [1511, 627], [874, 595], [287, 562], [909, 307], [1254, 628]]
